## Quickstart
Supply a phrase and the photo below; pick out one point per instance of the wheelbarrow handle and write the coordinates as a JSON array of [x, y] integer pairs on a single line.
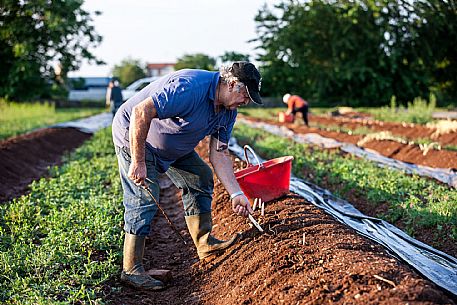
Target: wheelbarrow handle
[[247, 147]]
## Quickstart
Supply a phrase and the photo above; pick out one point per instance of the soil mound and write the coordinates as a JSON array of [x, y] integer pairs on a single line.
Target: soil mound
[[27, 157], [305, 257], [396, 150]]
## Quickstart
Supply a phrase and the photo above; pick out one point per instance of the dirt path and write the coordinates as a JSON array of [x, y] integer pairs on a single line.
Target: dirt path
[[399, 151]]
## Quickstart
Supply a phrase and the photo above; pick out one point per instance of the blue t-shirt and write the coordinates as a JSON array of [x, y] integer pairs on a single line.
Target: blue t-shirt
[[184, 101]]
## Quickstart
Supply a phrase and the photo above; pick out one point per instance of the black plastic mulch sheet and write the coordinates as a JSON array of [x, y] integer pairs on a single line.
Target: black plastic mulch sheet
[[433, 264]]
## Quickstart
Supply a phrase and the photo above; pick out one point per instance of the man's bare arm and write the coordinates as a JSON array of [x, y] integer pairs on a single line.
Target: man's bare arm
[[223, 166], [140, 121]]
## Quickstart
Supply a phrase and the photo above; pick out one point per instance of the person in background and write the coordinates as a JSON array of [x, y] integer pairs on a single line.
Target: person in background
[[156, 131], [296, 104], [114, 97]]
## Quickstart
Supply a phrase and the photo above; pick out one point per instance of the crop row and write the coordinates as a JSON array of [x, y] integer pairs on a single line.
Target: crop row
[[409, 201], [61, 241], [419, 111]]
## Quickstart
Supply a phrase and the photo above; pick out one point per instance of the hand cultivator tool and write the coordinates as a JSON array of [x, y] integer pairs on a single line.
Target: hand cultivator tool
[[163, 212]]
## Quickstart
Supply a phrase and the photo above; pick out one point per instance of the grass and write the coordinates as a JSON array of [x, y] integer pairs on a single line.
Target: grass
[[18, 118], [451, 147], [419, 111], [61, 242], [413, 201]]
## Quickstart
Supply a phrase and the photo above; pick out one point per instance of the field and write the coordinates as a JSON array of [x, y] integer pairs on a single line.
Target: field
[[17, 118], [61, 236]]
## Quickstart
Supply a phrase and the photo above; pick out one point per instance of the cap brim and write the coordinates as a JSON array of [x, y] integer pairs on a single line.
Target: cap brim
[[254, 96]]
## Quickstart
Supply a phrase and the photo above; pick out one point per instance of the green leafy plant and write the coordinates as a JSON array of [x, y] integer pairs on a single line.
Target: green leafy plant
[[61, 242], [419, 111]]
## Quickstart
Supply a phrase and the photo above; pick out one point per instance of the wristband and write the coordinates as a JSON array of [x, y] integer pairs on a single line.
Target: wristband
[[236, 194]]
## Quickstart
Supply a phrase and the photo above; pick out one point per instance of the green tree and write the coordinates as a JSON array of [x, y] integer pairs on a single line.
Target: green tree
[[231, 56], [129, 70], [437, 29], [195, 61], [354, 52], [37, 36], [322, 51]]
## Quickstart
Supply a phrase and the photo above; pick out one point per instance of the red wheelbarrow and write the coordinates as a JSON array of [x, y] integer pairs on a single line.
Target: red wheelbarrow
[[268, 180]]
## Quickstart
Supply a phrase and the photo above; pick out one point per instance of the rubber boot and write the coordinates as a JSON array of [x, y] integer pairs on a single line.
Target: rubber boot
[[200, 227], [133, 272]]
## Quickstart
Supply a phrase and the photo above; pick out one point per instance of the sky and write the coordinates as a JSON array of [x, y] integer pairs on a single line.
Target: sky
[[158, 31]]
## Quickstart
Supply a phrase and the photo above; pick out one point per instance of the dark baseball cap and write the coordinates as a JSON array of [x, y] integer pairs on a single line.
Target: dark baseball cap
[[248, 74]]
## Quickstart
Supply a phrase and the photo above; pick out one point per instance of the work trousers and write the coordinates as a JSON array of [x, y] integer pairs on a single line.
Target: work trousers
[[114, 106], [304, 112], [189, 173]]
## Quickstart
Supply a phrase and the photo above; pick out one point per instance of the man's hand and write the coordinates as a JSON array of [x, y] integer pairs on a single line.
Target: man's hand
[[137, 173], [241, 206]]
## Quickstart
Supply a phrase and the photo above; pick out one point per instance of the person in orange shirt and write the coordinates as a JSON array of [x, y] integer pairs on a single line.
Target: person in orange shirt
[[296, 104]]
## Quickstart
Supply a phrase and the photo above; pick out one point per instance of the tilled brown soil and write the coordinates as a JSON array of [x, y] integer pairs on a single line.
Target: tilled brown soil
[[407, 153], [399, 151], [407, 130], [305, 257], [27, 157]]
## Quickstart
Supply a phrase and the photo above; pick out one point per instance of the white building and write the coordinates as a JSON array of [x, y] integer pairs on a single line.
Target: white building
[[88, 88]]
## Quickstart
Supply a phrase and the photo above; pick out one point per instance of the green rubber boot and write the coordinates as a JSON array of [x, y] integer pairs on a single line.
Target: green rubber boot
[[200, 227], [133, 272]]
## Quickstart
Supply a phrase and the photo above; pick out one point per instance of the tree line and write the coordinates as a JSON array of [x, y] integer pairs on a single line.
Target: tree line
[[349, 52], [359, 52], [40, 42]]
